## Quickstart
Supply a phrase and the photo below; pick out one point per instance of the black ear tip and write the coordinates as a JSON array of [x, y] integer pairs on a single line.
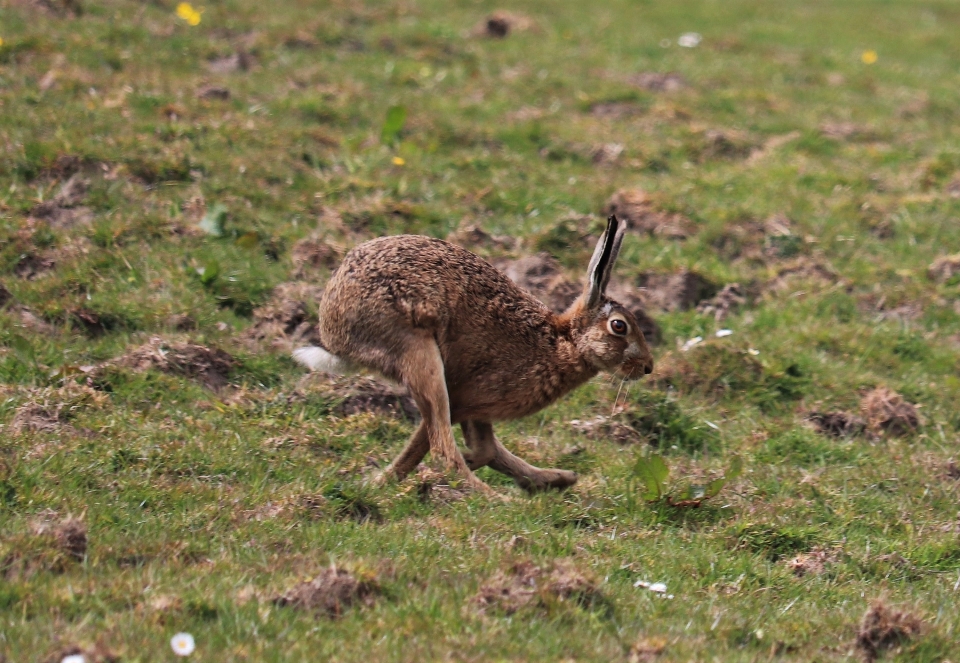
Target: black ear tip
[[612, 222]]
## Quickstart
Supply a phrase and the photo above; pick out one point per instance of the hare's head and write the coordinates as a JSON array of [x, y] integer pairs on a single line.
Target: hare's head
[[605, 332]]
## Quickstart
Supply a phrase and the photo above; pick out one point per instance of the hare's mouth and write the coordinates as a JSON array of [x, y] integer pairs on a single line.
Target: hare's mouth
[[635, 369]]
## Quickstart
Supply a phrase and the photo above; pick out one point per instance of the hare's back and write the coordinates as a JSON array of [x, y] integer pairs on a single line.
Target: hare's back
[[427, 282]]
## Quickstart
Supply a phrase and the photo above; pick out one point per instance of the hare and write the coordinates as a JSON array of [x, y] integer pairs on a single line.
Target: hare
[[470, 345]]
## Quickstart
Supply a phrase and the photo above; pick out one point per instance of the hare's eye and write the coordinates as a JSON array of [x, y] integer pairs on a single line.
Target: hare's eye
[[618, 327]]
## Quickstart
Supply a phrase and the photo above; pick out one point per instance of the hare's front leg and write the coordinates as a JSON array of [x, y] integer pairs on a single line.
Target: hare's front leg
[[421, 368], [486, 449]]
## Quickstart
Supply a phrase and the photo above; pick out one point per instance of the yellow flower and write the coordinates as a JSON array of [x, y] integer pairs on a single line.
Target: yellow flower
[[186, 11], [1, 41], [868, 57], [398, 161]]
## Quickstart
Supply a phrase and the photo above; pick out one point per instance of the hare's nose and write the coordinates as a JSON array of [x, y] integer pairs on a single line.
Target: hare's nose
[[648, 369]]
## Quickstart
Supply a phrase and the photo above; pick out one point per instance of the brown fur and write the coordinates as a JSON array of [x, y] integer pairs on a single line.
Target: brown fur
[[471, 346]]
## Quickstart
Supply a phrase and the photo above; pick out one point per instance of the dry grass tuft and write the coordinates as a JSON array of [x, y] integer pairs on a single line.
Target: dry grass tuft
[[813, 562], [211, 366], [527, 585], [944, 268], [286, 321], [640, 212], [886, 410], [646, 650], [501, 23], [884, 627], [836, 424], [50, 409], [330, 593]]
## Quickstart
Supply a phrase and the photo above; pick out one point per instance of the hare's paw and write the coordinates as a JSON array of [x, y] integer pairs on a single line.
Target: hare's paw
[[547, 480]]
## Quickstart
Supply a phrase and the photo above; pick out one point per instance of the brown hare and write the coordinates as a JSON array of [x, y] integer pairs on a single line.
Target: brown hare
[[470, 345]]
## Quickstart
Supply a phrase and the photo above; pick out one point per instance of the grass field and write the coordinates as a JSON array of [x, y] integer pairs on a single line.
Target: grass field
[[173, 196]]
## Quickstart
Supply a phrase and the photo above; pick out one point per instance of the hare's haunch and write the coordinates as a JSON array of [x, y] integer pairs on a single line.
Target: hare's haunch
[[472, 347]]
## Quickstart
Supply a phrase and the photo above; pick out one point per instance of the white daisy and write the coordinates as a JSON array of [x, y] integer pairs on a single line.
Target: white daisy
[[689, 39], [182, 644], [73, 658]]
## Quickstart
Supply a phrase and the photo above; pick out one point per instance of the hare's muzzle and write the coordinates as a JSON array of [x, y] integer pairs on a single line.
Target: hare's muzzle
[[634, 368]]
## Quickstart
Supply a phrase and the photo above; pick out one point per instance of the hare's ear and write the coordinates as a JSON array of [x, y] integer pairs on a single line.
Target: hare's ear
[[604, 257]]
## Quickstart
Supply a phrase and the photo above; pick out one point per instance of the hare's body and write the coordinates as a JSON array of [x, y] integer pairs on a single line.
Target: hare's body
[[428, 286], [471, 346]]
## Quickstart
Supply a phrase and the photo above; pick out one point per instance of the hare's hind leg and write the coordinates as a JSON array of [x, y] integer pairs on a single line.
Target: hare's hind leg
[[421, 368], [410, 457], [487, 450], [482, 450]]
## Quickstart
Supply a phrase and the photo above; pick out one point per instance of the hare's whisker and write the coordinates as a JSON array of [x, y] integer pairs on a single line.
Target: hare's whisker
[[619, 389]]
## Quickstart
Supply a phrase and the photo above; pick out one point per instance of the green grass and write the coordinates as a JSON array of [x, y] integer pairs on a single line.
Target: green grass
[[202, 505]]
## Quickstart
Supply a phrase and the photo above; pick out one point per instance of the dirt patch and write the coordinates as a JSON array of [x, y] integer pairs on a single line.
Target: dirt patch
[[288, 320], [526, 585], [64, 210], [953, 470], [944, 268], [313, 253], [330, 593], [886, 411], [58, 8], [606, 154], [502, 23], [770, 146], [676, 292], [473, 237], [615, 110], [69, 534], [542, 276], [353, 394], [845, 131], [31, 265], [952, 189], [812, 563], [730, 298], [362, 394], [884, 627], [657, 82], [52, 545], [724, 144], [433, 486], [210, 366], [647, 650], [27, 319], [606, 428], [181, 322], [641, 214], [229, 64], [49, 410], [836, 424], [213, 92], [802, 270]]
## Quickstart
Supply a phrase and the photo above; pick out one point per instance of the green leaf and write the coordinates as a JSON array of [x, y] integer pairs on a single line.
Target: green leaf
[[209, 272], [248, 240], [396, 116], [714, 487], [652, 470], [735, 469], [23, 349], [212, 221]]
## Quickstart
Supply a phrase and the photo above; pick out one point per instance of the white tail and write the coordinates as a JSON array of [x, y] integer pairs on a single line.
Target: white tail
[[317, 359]]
